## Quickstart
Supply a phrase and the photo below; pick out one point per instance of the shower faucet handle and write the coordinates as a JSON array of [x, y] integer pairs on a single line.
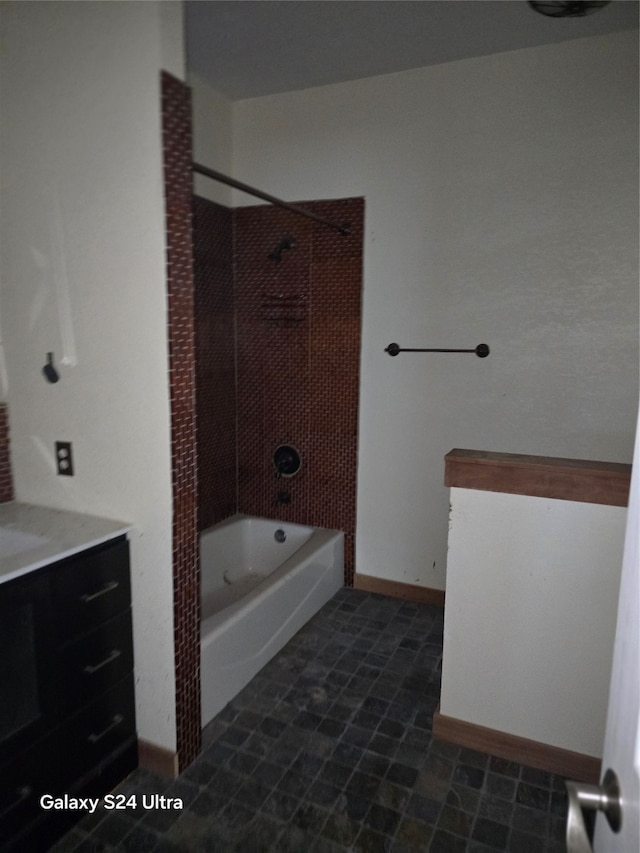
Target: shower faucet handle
[[286, 460]]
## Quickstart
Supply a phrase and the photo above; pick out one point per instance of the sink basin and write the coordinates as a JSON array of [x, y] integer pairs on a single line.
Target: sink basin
[[14, 542]]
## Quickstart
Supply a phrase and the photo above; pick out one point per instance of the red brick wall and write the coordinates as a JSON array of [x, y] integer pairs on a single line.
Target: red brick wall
[[6, 477], [176, 137]]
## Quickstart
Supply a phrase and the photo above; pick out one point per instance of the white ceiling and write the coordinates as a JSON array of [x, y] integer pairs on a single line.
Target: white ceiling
[[250, 48]]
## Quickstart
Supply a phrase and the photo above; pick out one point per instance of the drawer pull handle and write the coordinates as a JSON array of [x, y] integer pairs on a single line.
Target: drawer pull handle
[[115, 722], [108, 587], [91, 668], [24, 792]]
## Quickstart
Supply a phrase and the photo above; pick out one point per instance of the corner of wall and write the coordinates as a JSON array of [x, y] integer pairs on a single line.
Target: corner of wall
[[212, 142], [172, 50]]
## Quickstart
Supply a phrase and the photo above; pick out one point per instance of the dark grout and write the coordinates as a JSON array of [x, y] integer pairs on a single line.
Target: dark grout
[[329, 749]]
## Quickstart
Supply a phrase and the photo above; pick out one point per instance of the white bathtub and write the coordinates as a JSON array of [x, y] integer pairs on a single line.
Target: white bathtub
[[256, 593]]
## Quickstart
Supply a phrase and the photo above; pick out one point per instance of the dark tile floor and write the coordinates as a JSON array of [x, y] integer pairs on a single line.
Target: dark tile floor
[[329, 748]]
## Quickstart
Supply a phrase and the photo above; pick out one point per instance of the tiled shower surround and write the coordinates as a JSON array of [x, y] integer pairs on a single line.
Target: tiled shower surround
[[277, 363], [215, 362], [176, 143], [6, 477], [262, 353]]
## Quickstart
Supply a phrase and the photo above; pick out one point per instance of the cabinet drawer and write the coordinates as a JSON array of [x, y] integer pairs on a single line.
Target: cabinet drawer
[[28, 664], [95, 662], [23, 781], [90, 588], [54, 764], [105, 725]]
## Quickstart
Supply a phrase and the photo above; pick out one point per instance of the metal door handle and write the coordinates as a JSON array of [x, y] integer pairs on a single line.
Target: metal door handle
[[605, 798]]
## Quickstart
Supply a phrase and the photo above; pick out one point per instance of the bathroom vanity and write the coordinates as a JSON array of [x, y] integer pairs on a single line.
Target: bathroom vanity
[[67, 710]]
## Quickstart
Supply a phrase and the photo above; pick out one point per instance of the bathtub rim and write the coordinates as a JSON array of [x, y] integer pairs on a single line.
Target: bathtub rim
[[320, 537], [243, 516]]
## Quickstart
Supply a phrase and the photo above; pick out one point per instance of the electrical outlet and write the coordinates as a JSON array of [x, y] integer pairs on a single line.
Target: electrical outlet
[[64, 458]]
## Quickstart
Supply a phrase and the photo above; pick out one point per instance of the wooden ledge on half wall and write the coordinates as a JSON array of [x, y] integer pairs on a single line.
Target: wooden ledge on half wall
[[397, 589], [539, 476], [552, 478]]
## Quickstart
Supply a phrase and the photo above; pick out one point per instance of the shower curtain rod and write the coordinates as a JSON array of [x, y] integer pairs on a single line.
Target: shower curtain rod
[[224, 179]]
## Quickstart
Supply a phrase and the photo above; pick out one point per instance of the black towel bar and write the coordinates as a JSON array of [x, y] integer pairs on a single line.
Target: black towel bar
[[482, 350]]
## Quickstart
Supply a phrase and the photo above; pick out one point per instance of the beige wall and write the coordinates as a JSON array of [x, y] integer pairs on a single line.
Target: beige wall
[[501, 207], [548, 572], [213, 115], [83, 276]]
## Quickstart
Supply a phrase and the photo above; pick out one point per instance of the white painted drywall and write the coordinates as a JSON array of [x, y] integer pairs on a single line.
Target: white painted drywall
[[212, 117], [530, 618], [83, 276], [501, 207]]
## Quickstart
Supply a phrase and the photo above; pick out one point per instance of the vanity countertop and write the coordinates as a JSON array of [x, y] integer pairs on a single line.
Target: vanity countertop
[[35, 536]]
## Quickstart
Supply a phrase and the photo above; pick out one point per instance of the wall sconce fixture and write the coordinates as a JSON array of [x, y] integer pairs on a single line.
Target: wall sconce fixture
[[51, 374]]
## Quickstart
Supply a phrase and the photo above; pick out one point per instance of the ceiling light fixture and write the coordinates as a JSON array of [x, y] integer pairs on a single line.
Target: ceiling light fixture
[[567, 8]]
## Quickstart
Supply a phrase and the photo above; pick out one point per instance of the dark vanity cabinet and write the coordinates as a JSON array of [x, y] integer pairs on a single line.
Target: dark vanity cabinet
[[67, 712]]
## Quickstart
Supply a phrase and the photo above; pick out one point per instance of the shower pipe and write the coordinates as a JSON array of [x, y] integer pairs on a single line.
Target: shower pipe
[[482, 350], [238, 185]]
